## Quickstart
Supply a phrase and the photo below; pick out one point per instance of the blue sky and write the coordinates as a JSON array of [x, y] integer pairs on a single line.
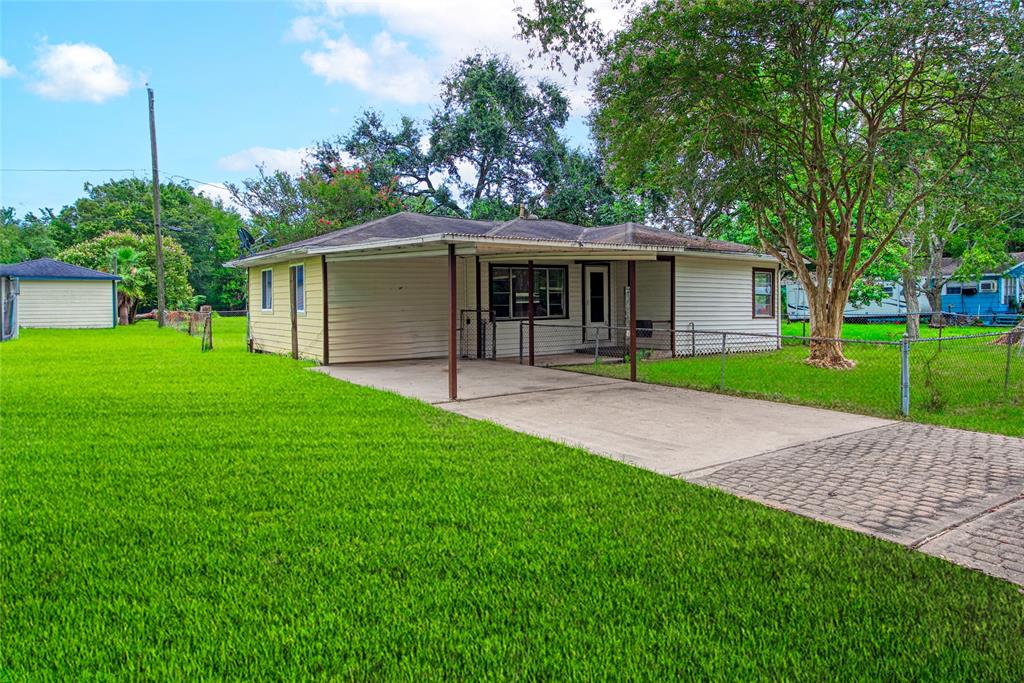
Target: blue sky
[[236, 83]]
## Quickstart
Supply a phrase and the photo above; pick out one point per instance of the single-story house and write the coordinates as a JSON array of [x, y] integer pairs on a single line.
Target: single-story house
[[50, 293], [418, 286], [998, 292]]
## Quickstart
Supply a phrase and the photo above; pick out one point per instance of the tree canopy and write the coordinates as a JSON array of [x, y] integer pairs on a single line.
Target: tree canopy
[[815, 109], [138, 252]]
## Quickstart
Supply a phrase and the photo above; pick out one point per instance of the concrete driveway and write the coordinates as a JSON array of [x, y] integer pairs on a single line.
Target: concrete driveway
[[665, 429], [947, 492]]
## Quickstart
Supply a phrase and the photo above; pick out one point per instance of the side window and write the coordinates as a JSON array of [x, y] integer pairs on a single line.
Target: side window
[[300, 288], [764, 293], [953, 288], [988, 286], [267, 283]]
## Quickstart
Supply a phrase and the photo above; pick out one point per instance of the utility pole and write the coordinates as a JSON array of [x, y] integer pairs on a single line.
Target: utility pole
[[160, 302]]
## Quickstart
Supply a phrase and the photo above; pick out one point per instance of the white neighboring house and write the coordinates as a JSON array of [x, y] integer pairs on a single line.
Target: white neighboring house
[[50, 293]]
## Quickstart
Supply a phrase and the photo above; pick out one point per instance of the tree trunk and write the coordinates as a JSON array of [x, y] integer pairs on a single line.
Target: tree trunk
[[935, 301], [913, 305], [122, 309], [827, 328]]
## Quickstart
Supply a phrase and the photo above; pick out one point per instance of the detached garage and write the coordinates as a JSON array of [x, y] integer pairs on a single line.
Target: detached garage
[[49, 293]]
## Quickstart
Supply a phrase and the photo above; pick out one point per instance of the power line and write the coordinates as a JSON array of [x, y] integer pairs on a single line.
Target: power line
[[108, 170], [70, 170]]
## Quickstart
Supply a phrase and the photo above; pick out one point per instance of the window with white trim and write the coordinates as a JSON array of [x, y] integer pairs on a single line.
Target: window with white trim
[[763, 286], [987, 286], [267, 288], [510, 295], [300, 288], [954, 288]]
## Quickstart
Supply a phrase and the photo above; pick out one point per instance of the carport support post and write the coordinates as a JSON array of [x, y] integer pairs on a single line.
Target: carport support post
[[529, 304], [672, 302], [453, 369], [631, 272]]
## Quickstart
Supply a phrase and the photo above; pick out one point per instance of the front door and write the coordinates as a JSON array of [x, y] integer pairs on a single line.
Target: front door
[[596, 302]]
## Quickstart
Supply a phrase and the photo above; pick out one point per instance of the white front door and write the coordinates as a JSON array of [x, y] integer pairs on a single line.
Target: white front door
[[596, 302]]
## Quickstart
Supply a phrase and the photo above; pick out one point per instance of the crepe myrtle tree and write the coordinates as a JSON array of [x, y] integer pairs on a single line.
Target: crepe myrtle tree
[[805, 101]]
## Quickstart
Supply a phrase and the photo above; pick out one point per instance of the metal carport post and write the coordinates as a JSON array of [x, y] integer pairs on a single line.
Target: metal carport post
[[453, 369]]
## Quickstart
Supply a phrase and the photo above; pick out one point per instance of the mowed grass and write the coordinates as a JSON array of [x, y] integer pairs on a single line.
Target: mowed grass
[[891, 331], [958, 383], [168, 514]]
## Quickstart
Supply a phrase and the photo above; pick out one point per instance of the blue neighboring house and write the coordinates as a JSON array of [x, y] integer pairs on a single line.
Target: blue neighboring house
[[993, 293]]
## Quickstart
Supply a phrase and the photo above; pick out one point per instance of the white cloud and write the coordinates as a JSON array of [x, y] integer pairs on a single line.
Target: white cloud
[[387, 69], [306, 29], [247, 160], [79, 72], [448, 30], [6, 68], [216, 193]]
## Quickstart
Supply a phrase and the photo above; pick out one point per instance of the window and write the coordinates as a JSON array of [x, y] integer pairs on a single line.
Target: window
[[889, 290], [300, 288], [267, 281], [954, 288], [764, 293], [987, 286], [510, 297]]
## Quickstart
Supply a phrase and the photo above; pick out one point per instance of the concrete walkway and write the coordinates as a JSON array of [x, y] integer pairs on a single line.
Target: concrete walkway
[[665, 429], [948, 492]]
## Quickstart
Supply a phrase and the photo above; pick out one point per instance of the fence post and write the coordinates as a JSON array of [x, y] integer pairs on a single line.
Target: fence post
[[693, 342], [905, 376], [1009, 354], [721, 373], [494, 340], [520, 342], [597, 344]]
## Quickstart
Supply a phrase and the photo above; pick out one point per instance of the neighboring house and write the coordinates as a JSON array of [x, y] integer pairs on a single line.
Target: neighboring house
[[52, 293], [894, 302], [416, 286], [993, 293]]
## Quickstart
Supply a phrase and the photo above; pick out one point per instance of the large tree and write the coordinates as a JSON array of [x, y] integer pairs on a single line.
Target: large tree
[[399, 160], [492, 122], [812, 103], [25, 238], [286, 208]]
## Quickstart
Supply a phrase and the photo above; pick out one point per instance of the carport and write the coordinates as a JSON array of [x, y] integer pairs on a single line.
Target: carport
[[410, 327]]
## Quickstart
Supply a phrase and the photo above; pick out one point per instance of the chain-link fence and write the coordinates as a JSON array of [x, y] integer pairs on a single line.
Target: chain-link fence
[[951, 373], [193, 323], [939, 320]]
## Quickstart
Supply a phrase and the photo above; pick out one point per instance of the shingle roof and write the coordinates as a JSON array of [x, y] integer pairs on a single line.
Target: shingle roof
[[949, 265], [48, 268], [409, 225]]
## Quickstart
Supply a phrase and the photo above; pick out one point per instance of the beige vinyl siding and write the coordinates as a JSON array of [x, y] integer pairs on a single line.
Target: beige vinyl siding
[[717, 294], [66, 303], [389, 309], [272, 330], [653, 292]]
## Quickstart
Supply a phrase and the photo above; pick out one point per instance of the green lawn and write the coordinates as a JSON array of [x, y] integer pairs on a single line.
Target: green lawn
[[960, 383], [168, 514], [888, 331]]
